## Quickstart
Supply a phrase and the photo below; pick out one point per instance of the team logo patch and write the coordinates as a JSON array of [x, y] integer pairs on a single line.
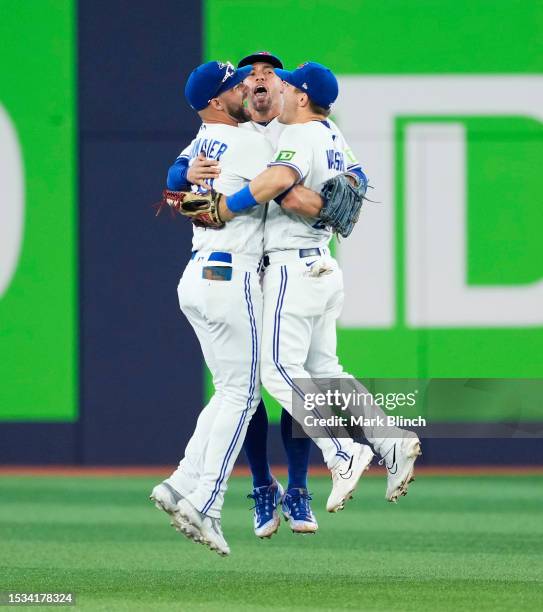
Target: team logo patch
[[285, 155], [229, 70]]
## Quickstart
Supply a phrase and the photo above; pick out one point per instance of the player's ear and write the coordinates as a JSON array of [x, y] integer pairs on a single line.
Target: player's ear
[[216, 104], [303, 100]]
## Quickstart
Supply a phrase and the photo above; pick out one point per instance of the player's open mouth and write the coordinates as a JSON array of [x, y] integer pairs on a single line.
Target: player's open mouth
[[260, 91]]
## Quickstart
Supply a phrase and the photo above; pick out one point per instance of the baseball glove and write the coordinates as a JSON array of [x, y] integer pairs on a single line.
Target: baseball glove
[[342, 202], [201, 208]]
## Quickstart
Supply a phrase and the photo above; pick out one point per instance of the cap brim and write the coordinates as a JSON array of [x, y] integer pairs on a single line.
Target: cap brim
[[262, 58], [240, 75], [286, 75]]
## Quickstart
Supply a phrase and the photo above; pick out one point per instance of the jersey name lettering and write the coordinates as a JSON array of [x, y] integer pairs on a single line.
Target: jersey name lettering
[[212, 149], [335, 160]]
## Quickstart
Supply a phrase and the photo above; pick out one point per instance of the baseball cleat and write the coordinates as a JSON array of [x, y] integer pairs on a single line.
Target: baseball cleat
[[297, 511], [345, 476], [208, 528], [166, 498], [399, 460], [266, 516]]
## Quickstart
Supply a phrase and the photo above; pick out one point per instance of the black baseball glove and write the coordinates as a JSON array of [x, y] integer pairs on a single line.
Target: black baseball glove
[[342, 202]]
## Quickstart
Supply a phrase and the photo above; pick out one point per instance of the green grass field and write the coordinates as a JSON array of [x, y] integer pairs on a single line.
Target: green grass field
[[454, 543]]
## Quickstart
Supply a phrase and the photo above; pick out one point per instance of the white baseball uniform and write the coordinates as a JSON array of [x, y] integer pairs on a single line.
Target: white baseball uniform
[[303, 285], [226, 314], [272, 130]]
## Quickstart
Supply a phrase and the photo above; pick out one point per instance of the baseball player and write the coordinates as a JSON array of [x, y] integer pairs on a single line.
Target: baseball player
[[303, 286], [265, 104], [220, 295]]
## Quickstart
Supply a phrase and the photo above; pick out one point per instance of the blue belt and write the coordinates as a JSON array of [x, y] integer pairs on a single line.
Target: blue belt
[[314, 252], [310, 252], [216, 256]]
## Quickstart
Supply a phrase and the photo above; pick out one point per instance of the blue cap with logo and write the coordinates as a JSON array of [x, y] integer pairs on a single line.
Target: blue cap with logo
[[210, 80], [316, 80]]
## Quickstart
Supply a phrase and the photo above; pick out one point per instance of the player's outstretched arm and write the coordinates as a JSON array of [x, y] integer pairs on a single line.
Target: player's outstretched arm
[[265, 187]]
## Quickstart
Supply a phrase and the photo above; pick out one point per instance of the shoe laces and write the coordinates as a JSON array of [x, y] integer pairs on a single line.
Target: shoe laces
[[298, 502], [264, 498]]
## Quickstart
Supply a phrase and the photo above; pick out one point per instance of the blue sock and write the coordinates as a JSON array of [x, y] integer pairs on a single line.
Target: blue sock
[[256, 447], [297, 450]]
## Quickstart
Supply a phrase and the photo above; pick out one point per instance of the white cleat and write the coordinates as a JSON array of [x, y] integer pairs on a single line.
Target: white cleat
[[345, 476], [399, 460], [209, 528], [269, 528], [165, 498], [306, 526]]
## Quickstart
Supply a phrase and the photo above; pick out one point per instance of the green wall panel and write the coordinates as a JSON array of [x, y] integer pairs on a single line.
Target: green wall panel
[[383, 37], [504, 213], [38, 311]]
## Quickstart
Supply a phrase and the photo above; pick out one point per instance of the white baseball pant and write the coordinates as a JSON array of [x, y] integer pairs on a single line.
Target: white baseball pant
[[299, 334], [227, 318]]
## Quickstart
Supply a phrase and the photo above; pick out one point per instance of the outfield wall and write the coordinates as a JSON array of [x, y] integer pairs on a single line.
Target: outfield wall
[[441, 101]]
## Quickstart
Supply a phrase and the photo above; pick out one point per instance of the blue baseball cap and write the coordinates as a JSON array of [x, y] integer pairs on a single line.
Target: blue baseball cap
[[261, 56], [316, 80], [210, 80]]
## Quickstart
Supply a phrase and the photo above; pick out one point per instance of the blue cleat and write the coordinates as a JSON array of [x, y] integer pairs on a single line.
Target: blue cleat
[[266, 516], [297, 511]]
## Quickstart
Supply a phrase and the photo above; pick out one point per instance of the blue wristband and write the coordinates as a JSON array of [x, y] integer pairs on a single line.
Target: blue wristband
[[241, 200], [360, 174]]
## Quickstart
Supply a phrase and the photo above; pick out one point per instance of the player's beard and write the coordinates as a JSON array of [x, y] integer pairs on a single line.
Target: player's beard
[[239, 112], [262, 104]]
